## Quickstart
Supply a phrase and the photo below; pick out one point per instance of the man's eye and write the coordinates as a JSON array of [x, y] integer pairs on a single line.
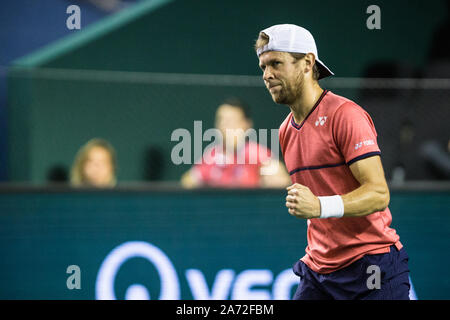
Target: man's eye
[[276, 63]]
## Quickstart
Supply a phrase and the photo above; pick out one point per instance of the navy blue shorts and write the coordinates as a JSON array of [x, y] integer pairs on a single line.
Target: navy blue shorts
[[360, 280]]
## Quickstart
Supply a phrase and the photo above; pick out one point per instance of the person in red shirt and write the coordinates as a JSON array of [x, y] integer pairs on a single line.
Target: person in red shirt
[[330, 149], [238, 163]]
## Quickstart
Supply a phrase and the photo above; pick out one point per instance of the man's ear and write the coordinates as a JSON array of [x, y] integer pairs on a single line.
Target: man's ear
[[310, 60]]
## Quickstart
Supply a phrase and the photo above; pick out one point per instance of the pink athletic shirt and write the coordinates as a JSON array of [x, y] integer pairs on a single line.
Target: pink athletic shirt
[[318, 152], [240, 169]]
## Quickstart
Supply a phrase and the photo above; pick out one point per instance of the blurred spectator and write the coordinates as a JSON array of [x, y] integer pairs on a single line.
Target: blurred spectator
[[94, 165], [437, 157], [406, 165], [154, 164], [220, 166], [57, 174]]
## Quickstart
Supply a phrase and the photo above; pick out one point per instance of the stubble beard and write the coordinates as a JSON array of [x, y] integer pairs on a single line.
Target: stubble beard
[[289, 93]]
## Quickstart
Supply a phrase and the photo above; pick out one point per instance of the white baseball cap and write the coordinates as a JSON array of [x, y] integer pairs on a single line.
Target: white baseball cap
[[295, 39]]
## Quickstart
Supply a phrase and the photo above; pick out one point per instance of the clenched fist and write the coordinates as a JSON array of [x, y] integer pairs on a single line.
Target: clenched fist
[[301, 202]]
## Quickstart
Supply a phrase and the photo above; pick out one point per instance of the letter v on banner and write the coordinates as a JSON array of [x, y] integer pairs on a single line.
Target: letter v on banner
[[219, 290]]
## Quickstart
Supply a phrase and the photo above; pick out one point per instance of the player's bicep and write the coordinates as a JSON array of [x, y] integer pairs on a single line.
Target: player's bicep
[[369, 171]]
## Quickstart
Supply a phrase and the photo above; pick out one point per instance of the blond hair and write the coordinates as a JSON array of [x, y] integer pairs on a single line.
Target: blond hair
[[263, 39], [77, 177]]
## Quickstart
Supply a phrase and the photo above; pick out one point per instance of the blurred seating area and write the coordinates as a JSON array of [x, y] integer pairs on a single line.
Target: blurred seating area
[[139, 70]]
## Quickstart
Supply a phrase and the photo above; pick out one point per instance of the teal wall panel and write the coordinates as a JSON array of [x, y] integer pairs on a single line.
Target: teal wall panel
[[215, 232]]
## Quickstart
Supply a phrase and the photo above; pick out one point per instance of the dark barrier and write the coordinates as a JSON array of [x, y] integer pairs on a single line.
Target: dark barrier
[[174, 244]]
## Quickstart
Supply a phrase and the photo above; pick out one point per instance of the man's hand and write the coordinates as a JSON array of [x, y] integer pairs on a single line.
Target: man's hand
[[301, 202]]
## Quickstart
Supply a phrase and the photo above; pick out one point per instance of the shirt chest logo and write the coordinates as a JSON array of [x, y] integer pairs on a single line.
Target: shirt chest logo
[[321, 121]]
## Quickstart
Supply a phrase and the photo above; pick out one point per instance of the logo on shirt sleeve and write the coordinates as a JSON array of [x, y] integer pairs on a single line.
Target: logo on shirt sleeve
[[364, 143]]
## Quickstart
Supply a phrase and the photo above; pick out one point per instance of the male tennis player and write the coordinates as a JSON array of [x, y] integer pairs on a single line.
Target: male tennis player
[[330, 148]]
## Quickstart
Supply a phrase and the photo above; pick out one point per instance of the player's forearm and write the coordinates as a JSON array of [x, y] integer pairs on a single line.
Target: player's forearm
[[365, 200], [370, 197]]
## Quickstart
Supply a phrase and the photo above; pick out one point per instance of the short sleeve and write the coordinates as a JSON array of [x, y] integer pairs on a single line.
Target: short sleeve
[[354, 133]]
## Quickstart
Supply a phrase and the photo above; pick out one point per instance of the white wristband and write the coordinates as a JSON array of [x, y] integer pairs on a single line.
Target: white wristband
[[331, 207]]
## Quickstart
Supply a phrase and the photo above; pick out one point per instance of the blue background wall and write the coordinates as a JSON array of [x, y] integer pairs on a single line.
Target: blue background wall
[[26, 26]]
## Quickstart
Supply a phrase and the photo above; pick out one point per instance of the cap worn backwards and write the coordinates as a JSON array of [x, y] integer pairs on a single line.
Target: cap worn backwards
[[295, 39]]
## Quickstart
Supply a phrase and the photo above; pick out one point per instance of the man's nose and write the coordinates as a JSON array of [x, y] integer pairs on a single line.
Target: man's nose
[[268, 74]]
